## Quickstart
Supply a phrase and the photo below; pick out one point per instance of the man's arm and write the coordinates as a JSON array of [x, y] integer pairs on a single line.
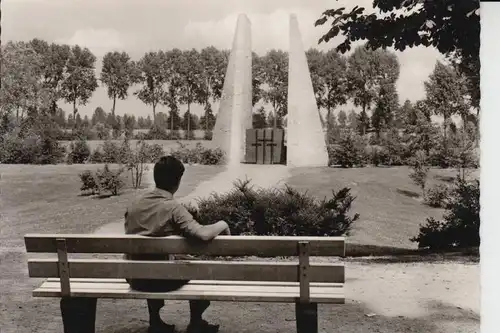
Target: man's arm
[[185, 222]]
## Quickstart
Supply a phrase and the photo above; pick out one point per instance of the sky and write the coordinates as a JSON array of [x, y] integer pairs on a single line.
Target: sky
[[140, 26]]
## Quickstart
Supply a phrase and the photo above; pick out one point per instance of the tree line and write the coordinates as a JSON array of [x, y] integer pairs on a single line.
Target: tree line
[[37, 75]]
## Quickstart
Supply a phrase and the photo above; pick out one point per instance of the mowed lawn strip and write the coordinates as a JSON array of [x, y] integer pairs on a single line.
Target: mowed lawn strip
[[168, 145]]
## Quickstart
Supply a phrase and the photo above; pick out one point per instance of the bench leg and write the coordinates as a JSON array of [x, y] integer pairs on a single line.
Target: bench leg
[[306, 315], [78, 314]]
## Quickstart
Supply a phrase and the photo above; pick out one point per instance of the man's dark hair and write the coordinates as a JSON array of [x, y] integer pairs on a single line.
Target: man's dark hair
[[168, 172]]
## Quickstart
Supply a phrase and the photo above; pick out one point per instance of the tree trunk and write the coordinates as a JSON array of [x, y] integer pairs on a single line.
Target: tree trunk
[[74, 113], [328, 118], [464, 121], [206, 116], [445, 135], [114, 106], [171, 121], [364, 125], [188, 121], [275, 118], [154, 113], [53, 108]]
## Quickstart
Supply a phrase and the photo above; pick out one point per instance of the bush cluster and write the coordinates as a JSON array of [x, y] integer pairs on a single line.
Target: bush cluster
[[111, 152], [103, 180], [460, 227], [277, 212], [199, 155], [137, 159], [378, 156], [79, 152], [436, 196], [34, 149], [350, 152]]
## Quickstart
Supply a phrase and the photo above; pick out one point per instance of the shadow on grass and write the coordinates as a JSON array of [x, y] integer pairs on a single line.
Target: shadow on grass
[[105, 196], [408, 193], [388, 254], [99, 196], [349, 318], [446, 179]]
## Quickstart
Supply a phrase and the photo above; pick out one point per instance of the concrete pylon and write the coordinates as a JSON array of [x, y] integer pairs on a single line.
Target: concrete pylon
[[306, 146], [235, 109]]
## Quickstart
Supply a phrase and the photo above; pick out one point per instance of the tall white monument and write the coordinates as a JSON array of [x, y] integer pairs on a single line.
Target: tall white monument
[[306, 146], [235, 110]]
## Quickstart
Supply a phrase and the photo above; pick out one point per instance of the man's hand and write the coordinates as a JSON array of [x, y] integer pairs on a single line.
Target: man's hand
[[226, 231], [209, 232]]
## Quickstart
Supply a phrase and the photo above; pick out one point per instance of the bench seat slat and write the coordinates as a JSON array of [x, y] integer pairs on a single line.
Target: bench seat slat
[[332, 293], [207, 282], [194, 286], [265, 246], [191, 270]]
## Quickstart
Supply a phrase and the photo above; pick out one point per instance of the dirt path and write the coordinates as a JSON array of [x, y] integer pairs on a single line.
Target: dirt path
[[260, 176]]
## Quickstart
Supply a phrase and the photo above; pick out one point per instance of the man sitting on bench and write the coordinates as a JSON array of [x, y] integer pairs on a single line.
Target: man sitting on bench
[[157, 214]]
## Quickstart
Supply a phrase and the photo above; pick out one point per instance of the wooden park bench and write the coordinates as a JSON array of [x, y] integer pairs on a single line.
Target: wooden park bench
[[80, 282]]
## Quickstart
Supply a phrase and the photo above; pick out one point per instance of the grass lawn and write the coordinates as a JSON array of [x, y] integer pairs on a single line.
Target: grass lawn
[[442, 296], [389, 204]]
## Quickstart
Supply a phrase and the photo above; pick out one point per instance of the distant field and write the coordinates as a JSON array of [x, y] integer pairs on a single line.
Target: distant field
[[167, 145], [198, 134]]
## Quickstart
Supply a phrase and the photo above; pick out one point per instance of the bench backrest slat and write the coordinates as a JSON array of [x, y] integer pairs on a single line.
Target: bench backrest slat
[[192, 270], [264, 246]]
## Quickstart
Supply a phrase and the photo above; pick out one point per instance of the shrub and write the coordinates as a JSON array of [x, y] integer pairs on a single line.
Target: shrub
[[34, 149], [137, 158], [50, 151], [419, 170], [109, 180], [141, 136], [350, 151], [378, 156], [115, 153], [436, 196], [174, 135], [441, 155], [396, 151], [212, 156], [102, 180], [79, 152], [199, 155], [97, 156], [283, 212], [461, 224], [15, 150], [101, 131], [157, 133], [117, 133], [84, 132], [90, 183], [66, 136], [155, 152], [208, 135], [189, 135]]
